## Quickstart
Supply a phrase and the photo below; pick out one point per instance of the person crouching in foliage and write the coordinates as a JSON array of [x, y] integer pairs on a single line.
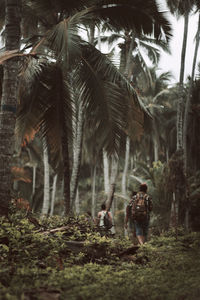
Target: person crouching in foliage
[[129, 222], [140, 213], [104, 220]]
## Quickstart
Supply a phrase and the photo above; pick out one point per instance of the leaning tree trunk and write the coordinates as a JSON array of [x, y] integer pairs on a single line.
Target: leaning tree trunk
[[113, 177], [9, 101], [46, 195], [77, 202], [106, 172]]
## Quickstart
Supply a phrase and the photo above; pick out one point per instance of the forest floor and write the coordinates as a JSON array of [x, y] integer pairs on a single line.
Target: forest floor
[[68, 259]]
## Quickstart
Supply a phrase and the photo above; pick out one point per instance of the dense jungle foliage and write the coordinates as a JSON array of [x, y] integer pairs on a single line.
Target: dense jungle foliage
[[77, 263], [86, 116]]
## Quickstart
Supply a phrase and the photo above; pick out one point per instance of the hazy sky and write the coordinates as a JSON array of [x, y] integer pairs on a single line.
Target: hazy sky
[[172, 62]]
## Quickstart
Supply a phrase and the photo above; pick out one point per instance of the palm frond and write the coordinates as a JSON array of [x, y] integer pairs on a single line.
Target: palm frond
[[153, 53], [102, 65], [142, 16], [162, 44], [110, 39]]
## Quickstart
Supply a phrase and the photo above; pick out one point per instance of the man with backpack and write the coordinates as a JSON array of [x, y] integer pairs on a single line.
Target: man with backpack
[[141, 206], [104, 219]]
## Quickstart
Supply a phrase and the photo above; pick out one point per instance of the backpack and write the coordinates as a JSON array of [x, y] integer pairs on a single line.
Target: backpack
[[107, 221], [140, 208]]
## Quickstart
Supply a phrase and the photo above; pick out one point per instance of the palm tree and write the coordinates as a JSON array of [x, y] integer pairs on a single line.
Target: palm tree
[[182, 7], [9, 100], [63, 42], [153, 97]]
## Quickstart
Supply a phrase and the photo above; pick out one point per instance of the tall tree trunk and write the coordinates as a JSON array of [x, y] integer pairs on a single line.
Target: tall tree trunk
[[66, 171], [110, 196], [113, 177], [34, 181], [125, 172], [124, 176], [106, 172], [46, 195], [53, 194], [155, 147], [185, 126], [77, 151], [114, 169], [127, 73], [180, 106], [155, 141], [181, 79], [174, 214], [77, 202], [33, 164], [187, 106], [9, 101], [94, 191]]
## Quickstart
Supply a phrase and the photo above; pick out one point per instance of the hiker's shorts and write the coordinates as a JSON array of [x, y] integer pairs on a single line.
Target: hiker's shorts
[[141, 228]]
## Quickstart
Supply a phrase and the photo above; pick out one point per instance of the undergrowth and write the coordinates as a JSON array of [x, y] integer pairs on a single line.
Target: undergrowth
[[37, 264]]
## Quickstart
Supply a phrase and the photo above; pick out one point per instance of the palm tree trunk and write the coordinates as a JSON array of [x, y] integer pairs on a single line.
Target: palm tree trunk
[[77, 202], [124, 175], [110, 196], [77, 155], [46, 199], [174, 214], [66, 171], [91, 34], [53, 194], [99, 37], [114, 169], [180, 106], [187, 106], [125, 172], [106, 172], [127, 71], [185, 126], [181, 79], [94, 191], [9, 101], [34, 181], [155, 141], [113, 177]]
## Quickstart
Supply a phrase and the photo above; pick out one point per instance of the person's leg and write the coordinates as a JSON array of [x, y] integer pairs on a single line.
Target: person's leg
[[139, 233], [145, 231], [140, 239]]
